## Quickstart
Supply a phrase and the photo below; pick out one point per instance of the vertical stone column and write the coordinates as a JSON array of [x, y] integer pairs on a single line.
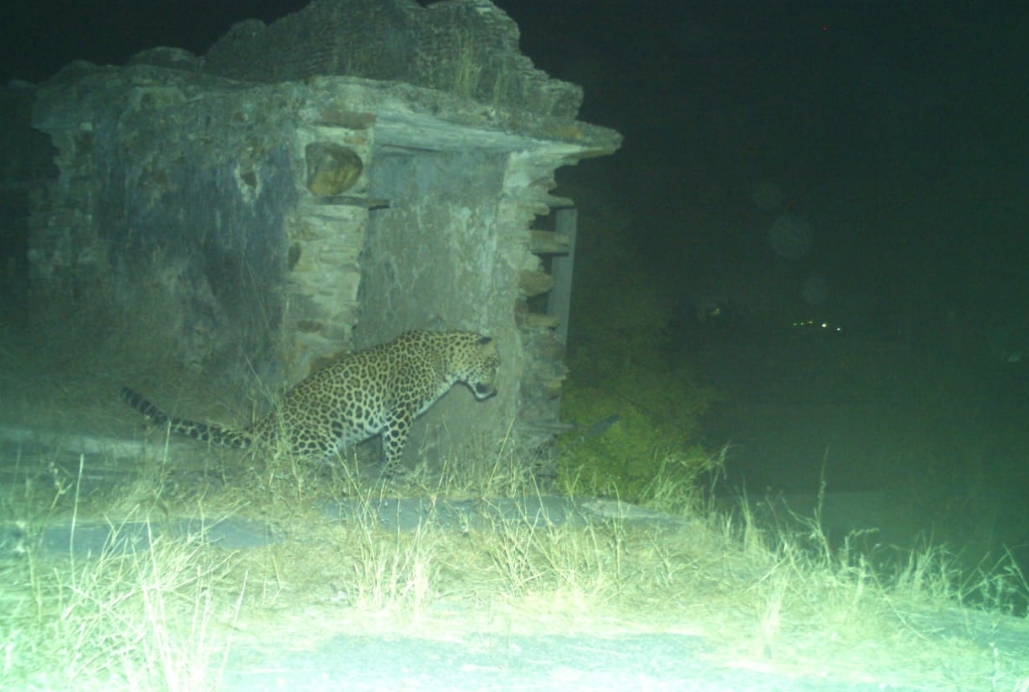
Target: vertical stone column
[[326, 235]]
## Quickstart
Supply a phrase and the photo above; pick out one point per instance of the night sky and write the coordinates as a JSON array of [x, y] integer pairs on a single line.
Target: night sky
[[894, 133]]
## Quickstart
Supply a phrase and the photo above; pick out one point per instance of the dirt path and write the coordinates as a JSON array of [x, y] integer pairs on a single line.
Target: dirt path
[[544, 662]]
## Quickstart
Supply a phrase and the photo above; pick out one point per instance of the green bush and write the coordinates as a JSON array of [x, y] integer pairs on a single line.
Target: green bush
[[634, 425], [637, 419]]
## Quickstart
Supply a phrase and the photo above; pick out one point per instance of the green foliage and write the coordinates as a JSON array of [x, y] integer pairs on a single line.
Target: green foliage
[[635, 425], [637, 417]]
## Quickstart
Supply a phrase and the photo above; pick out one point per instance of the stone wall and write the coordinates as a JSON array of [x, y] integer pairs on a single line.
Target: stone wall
[[172, 190], [279, 224], [26, 167]]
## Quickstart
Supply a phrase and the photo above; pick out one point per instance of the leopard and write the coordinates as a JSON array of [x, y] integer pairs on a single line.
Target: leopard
[[356, 396]]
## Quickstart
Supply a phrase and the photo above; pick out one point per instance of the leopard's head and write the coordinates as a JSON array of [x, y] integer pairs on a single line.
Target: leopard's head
[[476, 362]]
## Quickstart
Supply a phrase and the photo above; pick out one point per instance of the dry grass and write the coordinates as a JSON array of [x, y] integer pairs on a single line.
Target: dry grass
[[159, 617], [129, 617], [165, 615]]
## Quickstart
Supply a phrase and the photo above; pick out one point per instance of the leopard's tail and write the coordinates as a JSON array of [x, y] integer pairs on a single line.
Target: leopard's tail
[[204, 432]]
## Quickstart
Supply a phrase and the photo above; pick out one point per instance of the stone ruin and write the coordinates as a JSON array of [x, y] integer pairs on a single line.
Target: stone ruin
[[355, 169]]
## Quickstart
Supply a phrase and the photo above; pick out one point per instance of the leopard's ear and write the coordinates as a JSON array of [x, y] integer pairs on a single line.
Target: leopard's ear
[[485, 340]]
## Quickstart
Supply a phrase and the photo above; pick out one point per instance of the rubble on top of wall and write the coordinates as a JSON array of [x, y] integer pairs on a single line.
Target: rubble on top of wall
[[466, 47]]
